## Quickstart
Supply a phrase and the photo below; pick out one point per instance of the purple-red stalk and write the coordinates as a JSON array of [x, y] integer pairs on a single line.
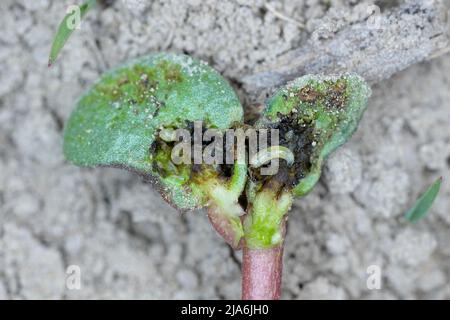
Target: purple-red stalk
[[261, 273]]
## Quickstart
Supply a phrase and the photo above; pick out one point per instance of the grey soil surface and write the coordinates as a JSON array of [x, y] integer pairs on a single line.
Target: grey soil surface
[[129, 244]]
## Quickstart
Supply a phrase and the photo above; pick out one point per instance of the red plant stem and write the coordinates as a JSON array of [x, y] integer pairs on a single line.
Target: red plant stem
[[261, 273]]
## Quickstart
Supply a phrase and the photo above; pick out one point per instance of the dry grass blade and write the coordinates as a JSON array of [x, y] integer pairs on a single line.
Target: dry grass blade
[[67, 26]]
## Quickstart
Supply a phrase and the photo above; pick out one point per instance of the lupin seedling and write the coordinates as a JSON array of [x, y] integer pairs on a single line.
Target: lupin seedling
[[131, 118]]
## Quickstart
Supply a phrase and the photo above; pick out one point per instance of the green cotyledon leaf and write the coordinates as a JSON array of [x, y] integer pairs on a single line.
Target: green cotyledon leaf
[[315, 115], [117, 121]]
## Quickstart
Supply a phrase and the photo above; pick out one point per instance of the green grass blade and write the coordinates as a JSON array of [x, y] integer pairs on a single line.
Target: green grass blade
[[66, 28], [423, 204]]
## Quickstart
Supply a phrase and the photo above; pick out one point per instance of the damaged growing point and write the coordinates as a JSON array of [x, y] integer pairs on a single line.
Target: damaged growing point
[[219, 185], [137, 115]]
